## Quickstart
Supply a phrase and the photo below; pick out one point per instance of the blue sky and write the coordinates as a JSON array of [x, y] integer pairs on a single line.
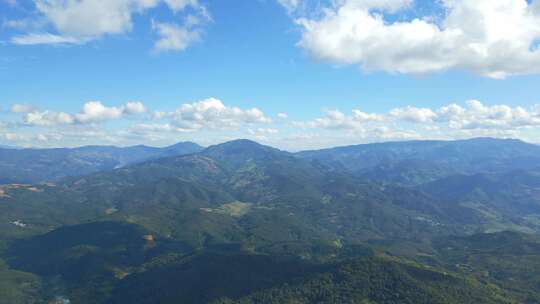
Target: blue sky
[[194, 70]]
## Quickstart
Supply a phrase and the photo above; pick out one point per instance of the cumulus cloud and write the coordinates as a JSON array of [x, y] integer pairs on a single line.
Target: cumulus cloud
[[473, 116], [335, 119], [213, 121], [453, 121], [478, 116], [134, 107], [48, 118], [493, 38], [90, 18], [283, 115], [211, 113], [173, 37], [413, 114], [77, 22], [92, 112]]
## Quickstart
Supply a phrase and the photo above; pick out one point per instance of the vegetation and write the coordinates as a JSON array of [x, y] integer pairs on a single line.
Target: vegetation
[[26, 166], [245, 223]]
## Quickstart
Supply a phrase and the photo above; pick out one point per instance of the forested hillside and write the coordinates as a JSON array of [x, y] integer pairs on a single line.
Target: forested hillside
[[242, 222]]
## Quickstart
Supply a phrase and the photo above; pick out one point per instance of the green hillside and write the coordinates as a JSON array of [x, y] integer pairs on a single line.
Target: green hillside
[[245, 223]]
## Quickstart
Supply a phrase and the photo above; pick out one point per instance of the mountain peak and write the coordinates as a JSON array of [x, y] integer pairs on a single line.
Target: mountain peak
[[243, 147], [238, 143], [241, 142], [184, 145]]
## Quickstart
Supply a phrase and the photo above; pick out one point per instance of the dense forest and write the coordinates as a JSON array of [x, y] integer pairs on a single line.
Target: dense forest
[[239, 222]]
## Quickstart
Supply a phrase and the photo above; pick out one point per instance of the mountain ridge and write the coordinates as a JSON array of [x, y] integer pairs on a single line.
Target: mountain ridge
[[28, 166], [234, 208]]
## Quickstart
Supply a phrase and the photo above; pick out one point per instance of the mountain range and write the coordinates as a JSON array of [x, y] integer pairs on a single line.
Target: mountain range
[[240, 222], [39, 165]]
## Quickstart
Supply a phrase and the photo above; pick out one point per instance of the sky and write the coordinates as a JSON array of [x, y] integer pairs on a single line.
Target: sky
[[294, 74]]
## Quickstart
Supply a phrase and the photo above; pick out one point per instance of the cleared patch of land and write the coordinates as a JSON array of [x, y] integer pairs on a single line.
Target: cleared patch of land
[[234, 209]]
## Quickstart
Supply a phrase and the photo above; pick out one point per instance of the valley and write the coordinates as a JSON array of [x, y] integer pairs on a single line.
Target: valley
[[262, 225]]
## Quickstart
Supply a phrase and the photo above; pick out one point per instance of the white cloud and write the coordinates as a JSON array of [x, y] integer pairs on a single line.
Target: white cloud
[[290, 5], [13, 137], [155, 127], [173, 37], [474, 116], [45, 38], [390, 5], [135, 107], [413, 114], [21, 108], [92, 112], [494, 38], [160, 114], [49, 137], [48, 118], [88, 18], [263, 131], [283, 115], [95, 111], [335, 119], [211, 113], [42, 137], [211, 121], [178, 5], [81, 21], [478, 116], [167, 127], [365, 117], [263, 134]]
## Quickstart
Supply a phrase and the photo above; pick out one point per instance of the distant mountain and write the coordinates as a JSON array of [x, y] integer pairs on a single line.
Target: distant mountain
[[417, 162], [241, 222], [265, 186], [39, 165], [8, 147], [239, 194], [245, 188], [402, 163]]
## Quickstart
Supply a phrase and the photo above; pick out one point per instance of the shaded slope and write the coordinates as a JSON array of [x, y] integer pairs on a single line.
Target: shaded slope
[[265, 280]]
